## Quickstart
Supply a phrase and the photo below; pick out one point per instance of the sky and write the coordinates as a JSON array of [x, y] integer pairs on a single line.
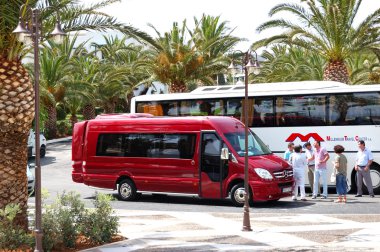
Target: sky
[[243, 15]]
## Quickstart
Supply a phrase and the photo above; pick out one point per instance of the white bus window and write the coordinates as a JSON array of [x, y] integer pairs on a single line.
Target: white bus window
[[202, 107], [234, 108], [301, 111], [355, 109], [153, 108], [263, 112]]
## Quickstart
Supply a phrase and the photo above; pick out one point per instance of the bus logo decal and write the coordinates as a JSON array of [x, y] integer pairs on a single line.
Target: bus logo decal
[[304, 138]]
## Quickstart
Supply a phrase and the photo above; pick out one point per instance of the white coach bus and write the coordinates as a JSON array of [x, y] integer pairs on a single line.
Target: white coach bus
[[331, 112]]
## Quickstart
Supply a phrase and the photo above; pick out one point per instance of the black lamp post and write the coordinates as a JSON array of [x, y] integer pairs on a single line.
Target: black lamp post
[[248, 67], [31, 32]]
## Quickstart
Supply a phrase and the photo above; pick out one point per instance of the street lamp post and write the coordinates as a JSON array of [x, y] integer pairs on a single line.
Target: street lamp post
[[248, 68], [26, 35]]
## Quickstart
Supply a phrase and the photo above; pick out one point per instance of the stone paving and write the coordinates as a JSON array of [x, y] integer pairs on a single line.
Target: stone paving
[[174, 231]]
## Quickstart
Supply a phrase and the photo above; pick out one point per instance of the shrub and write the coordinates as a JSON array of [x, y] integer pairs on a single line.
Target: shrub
[[62, 220], [100, 224], [51, 231], [11, 235], [64, 128]]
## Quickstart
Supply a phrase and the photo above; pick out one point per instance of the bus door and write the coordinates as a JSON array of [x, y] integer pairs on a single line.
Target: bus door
[[213, 170]]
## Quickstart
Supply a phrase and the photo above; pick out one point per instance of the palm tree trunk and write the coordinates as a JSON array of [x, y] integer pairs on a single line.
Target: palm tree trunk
[[89, 112], [51, 123], [13, 179], [73, 120], [336, 71], [16, 116], [177, 87]]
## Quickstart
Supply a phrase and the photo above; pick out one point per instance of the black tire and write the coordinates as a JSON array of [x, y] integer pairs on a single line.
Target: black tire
[[42, 151], [375, 177], [237, 195], [127, 190]]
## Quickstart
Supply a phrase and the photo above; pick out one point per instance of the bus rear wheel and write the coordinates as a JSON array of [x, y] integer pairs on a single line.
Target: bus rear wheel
[[127, 190], [375, 177]]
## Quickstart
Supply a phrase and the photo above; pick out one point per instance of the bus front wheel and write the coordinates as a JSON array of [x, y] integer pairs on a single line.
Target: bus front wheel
[[127, 190]]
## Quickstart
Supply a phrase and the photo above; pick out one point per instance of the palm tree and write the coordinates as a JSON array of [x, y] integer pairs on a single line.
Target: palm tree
[[17, 97], [290, 63], [327, 28], [84, 68], [54, 62], [364, 68], [178, 61], [118, 72], [111, 84]]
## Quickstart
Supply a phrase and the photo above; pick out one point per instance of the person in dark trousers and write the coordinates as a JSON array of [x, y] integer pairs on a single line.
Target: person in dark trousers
[[364, 160]]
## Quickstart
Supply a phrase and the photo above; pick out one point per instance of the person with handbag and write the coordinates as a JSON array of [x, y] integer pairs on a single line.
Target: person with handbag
[[340, 170]]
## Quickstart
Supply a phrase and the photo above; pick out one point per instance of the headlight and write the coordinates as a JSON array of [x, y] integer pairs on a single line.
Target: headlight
[[263, 173]]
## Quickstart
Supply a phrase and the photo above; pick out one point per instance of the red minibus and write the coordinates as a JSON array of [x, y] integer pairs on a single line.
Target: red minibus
[[179, 155]]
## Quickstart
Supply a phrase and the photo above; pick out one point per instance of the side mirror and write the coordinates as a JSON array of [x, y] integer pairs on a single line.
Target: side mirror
[[224, 155]]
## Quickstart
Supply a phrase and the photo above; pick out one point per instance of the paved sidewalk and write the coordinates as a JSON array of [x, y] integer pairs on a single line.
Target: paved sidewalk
[[174, 231]]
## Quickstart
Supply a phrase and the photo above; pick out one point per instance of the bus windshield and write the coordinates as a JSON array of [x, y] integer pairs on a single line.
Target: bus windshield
[[256, 147]]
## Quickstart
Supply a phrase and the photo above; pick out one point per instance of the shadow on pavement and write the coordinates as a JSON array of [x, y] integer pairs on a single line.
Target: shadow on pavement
[[188, 200]]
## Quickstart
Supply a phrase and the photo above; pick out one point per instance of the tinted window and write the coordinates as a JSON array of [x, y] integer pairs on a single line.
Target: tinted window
[[147, 145], [354, 109], [109, 145], [262, 112], [201, 107], [234, 108], [301, 111]]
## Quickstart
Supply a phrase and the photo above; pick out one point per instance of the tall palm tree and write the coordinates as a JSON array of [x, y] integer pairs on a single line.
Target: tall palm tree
[[17, 96], [178, 61], [327, 28], [84, 68], [54, 62], [118, 72]]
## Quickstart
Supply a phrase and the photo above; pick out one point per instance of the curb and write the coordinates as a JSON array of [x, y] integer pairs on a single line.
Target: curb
[[58, 140]]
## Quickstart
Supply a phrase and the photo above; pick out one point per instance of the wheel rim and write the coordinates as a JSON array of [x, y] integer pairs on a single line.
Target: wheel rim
[[125, 191], [239, 195]]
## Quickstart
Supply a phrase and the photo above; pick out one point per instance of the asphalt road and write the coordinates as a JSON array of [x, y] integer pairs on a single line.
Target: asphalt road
[[56, 179]]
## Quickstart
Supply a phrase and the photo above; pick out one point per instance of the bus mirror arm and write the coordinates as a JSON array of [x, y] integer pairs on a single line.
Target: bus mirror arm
[[224, 154]]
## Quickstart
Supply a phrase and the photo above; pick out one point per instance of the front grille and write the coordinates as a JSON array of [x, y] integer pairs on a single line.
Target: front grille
[[283, 174]]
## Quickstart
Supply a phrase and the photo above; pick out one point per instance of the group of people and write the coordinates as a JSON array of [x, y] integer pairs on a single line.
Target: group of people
[[315, 160]]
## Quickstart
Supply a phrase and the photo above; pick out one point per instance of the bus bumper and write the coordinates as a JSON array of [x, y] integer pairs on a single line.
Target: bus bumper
[[266, 191]]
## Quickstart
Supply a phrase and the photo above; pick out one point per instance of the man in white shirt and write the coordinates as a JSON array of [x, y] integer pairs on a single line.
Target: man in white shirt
[[364, 160], [310, 167]]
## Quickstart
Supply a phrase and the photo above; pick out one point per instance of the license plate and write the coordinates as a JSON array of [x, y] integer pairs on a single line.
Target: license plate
[[286, 189]]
